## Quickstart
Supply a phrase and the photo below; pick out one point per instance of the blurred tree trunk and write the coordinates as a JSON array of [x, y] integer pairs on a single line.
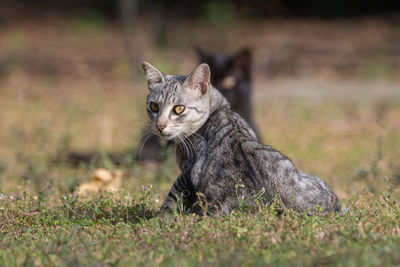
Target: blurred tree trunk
[[128, 11]]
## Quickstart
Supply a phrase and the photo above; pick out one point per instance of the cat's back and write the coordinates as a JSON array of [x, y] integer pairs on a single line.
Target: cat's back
[[231, 155], [276, 173], [227, 146], [225, 126]]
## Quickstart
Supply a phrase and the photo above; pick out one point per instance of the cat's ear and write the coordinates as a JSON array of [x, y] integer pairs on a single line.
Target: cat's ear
[[199, 79], [242, 60], [153, 75]]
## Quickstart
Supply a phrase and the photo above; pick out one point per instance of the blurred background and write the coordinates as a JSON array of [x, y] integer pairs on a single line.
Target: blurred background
[[326, 83]]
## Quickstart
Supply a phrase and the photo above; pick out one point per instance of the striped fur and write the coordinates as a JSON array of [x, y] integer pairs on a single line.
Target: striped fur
[[222, 161]]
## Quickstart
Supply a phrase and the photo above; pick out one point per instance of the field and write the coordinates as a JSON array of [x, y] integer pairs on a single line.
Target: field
[[66, 85]]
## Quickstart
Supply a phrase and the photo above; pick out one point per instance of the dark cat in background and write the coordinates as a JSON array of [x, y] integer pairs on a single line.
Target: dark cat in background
[[230, 74]]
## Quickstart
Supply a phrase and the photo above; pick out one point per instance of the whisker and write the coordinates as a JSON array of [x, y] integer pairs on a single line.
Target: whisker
[[142, 141], [190, 145], [187, 150], [183, 146], [197, 138], [178, 143], [143, 136]]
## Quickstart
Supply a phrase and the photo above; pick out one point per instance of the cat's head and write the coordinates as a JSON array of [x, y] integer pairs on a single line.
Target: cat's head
[[230, 73], [177, 105]]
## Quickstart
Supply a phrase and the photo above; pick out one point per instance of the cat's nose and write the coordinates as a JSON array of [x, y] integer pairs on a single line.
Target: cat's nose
[[161, 127]]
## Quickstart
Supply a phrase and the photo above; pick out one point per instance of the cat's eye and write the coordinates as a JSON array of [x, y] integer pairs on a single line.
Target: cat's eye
[[154, 107], [229, 82], [179, 109]]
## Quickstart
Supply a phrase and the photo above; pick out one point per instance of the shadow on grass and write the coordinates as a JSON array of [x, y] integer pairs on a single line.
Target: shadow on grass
[[19, 215], [107, 210]]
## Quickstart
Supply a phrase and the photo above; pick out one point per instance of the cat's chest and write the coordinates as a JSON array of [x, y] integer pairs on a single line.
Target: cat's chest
[[192, 158], [195, 165], [209, 161]]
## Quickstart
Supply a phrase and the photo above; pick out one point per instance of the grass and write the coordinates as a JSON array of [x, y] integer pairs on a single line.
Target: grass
[[352, 142], [46, 224], [128, 231]]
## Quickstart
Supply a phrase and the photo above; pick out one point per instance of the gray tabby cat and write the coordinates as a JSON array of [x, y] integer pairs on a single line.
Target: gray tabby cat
[[218, 153]]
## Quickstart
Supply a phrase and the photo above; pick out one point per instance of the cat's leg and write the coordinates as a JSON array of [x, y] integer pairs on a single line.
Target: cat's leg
[[321, 194], [181, 196], [308, 193]]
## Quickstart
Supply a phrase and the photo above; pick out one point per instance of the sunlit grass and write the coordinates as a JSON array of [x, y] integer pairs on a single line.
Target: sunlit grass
[[352, 145], [351, 142]]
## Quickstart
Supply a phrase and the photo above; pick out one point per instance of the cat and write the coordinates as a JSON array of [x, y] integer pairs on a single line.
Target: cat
[[231, 75], [219, 155]]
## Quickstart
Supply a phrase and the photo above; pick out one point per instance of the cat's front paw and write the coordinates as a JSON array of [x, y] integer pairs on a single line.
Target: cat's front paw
[[166, 209]]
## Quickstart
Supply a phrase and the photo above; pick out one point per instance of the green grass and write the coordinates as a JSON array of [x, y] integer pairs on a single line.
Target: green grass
[[129, 231], [351, 142], [47, 224]]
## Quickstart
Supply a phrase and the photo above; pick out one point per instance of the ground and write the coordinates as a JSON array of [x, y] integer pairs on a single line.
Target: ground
[[331, 102]]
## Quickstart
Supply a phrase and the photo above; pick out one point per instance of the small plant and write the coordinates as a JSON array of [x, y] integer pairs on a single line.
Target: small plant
[[244, 205]]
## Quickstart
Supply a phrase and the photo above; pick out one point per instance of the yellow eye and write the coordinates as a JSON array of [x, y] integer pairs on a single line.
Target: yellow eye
[[154, 107], [179, 109]]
